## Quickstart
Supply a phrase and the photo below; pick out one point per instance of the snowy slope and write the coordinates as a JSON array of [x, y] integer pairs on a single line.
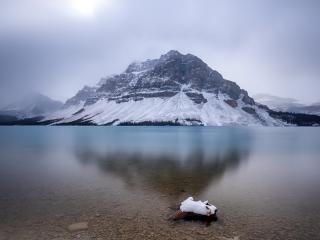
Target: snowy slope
[[178, 108]]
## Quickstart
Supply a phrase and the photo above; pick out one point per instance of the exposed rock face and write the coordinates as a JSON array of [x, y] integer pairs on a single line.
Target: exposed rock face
[[196, 97], [249, 110], [85, 94], [231, 103]]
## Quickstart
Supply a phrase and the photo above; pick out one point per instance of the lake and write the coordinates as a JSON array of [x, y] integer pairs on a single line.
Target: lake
[[125, 182]]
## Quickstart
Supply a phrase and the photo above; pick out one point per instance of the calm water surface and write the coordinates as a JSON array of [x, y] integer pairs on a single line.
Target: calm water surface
[[125, 181]]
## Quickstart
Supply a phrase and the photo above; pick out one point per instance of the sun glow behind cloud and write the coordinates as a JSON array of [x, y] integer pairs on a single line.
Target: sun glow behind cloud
[[89, 8]]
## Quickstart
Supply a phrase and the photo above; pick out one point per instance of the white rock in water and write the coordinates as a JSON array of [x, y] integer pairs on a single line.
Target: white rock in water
[[198, 207]]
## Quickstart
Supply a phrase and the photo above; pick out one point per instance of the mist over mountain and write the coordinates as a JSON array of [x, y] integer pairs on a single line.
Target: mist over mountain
[[31, 105], [287, 104]]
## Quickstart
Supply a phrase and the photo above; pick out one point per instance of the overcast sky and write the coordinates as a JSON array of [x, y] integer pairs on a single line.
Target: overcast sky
[[57, 46]]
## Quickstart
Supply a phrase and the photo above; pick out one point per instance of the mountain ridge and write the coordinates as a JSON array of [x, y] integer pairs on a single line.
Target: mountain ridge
[[175, 89], [185, 90]]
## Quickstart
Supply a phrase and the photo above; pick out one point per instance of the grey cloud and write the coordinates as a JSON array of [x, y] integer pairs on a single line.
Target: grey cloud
[[264, 46]]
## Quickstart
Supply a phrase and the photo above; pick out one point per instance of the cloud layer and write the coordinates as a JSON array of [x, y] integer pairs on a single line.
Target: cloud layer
[[56, 47]]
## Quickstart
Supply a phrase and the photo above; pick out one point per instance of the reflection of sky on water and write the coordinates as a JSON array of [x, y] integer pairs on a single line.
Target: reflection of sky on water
[[177, 142]]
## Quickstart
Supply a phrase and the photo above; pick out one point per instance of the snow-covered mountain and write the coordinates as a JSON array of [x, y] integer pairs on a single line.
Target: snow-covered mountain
[[32, 105], [174, 89], [287, 104]]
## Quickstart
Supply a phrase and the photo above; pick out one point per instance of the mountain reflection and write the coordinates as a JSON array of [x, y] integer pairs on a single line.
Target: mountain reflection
[[164, 173], [170, 173]]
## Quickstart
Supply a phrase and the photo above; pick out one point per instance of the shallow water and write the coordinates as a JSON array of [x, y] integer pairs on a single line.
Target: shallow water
[[125, 181]]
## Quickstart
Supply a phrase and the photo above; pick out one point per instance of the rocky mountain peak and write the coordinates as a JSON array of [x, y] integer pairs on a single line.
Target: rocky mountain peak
[[138, 66], [164, 77], [171, 54]]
